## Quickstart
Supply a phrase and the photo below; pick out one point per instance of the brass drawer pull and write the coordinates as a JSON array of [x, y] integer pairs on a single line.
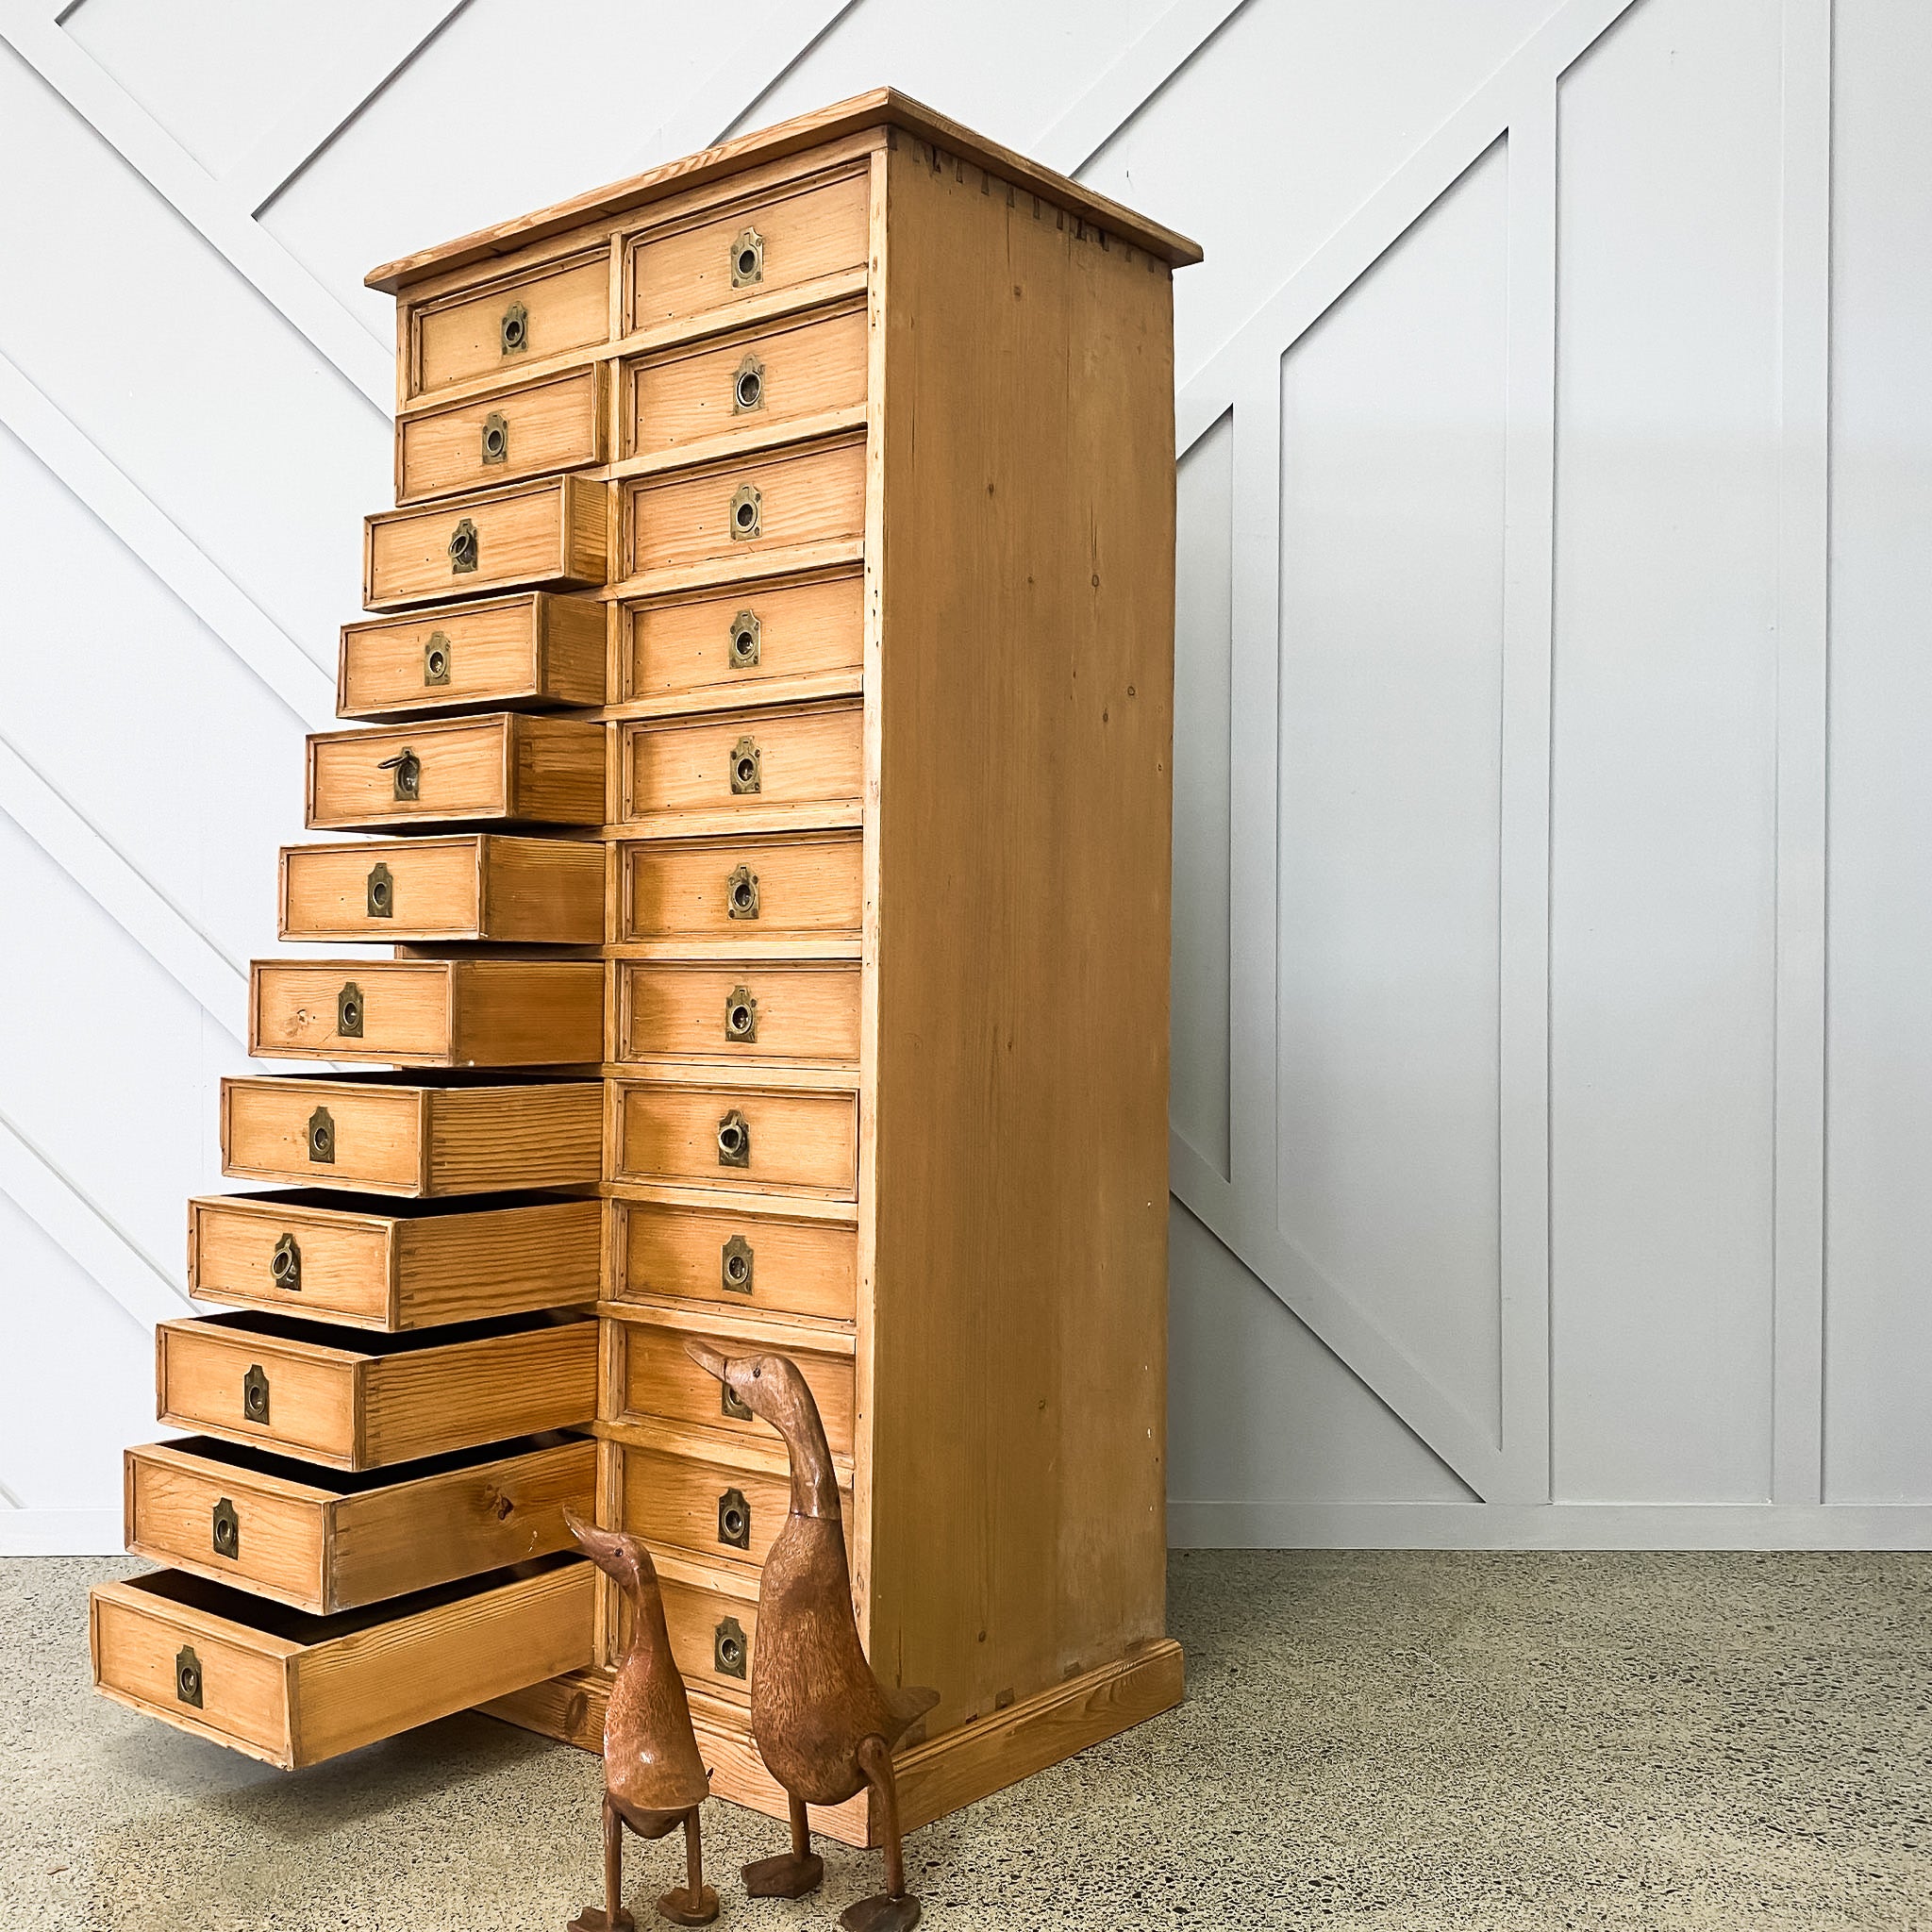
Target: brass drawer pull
[[730, 1404], [285, 1264], [255, 1393], [463, 548], [187, 1676], [747, 259], [516, 329], [734, 1270], [408, 769], [742, 893], [747, 513], [734, 1519], [745, 640], [349, 1012], [436, 657], [729, 1651], [322, 1136], [495, 438], [741, 1015], [226, 1532], [382, 891], [734, 1141], [746, 774], [748, 387]]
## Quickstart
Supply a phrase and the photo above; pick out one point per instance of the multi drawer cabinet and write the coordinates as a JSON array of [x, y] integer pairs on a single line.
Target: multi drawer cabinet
[[763, 790]]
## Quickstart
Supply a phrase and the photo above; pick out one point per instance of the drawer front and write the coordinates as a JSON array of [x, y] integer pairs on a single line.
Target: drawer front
[[293, 1690], [813, 754], [184, 1503], [738, 1010], [243, 1387], [481, 885], [500, 438], [712, 1632], [740, 889], [543, 534], [432, 1013], [661, 1380], [743, 509], [754, 251], [543, 771], [739, 1137], [538, 648], [712, 1510], [759, 383], [744, 638], [521, 319], [751, 1262], [333, 1137], [255, 1252]]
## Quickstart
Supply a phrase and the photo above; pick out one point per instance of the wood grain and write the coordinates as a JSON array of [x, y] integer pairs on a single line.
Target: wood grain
[[804, 755], [459, 336], [536, 650], [680, 645], [807, 1141], [794, 1267], [805, 888], [556, 424], [812, 495], [795, 1012], [545, 535], [661, 1381]]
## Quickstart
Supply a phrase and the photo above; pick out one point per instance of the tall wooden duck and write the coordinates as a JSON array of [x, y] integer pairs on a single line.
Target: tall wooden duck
[[823, 1723], [653, 1778]]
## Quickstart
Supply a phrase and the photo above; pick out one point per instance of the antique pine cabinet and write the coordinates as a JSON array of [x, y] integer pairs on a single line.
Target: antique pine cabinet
[[763, 791]]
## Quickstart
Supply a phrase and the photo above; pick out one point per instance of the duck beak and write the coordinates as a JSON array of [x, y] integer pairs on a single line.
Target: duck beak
[[707, 1360], [601, 1545]]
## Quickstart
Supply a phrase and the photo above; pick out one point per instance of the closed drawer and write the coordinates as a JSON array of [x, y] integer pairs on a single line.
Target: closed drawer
[[740, 889], [362, 1401], [766, 1264], [657, 1378], [759, 384], [476, 886], [393, 1135], [292, 1689], [736, 1136], [410, 1265], [539, 771], [323, 1541], [537, 649], [555, 424], [725, 511], [500, 327], [535, 535], [744, 638], [757, 249], [727, 1504], [738, 1010], [428, 1012], [742, 760], [712, 1613]]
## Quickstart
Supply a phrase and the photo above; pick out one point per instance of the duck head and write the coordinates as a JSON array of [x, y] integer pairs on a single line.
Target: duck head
[[621, 1558], [772, 1389]]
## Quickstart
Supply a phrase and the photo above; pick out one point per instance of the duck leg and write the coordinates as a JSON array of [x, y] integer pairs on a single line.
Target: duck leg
[[894, 1910], [793, 1874], [696, 1904], [612, 1916]]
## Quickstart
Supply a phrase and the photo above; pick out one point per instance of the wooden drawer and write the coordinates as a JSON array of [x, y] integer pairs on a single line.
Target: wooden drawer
[[735, 1010], [533, 535], [502, 436], [765, 1264], [752, 250], [363, 1401], [428, 1012], [497, 327], [395, 1135], [761, 384], [727, 1504], [326, 1540], [475, 886], [410, 1265], [741, 639], [533, 650], [539, 771], [712, 1613], [742, 760], [293, 1690], [740, 889], [658, 1379], [725, 512], [788, 1140]]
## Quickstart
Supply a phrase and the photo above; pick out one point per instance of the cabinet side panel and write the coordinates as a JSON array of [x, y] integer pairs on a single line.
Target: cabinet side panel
[[1027, 624]]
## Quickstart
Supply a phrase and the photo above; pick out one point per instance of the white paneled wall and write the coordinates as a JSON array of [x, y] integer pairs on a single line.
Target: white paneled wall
[[1553, 1054]]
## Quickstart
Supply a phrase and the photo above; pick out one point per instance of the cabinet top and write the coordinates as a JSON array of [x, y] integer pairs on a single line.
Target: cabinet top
[[882, 107]]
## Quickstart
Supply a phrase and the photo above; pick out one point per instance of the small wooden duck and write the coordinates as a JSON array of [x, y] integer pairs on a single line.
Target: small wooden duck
[[823, 1723], [653, 1778]]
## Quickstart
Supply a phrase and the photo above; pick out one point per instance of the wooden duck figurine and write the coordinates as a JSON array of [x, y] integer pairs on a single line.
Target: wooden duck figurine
[[653, 1778], [823, 1723]]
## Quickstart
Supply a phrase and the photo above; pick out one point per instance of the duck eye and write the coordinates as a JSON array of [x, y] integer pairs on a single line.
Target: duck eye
[[755, 1374]]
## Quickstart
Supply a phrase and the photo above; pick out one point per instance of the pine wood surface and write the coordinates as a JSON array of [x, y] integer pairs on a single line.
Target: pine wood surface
[[665, 1131], [806, 755], [674, 1496], [795, 1011], [658, 1379], [794, 1267], [806, 887], [503, 436], [528, 536], [566, 304]]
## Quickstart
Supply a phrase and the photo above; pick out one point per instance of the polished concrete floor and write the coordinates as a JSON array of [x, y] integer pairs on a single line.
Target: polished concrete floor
[[1373, 1740]]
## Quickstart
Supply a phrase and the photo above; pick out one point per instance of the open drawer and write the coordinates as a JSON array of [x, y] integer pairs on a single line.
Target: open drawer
[[293, 1690]]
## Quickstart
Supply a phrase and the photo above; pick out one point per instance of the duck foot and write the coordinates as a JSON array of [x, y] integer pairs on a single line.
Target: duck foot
[[791, 1875], [686, 1907], [591, 1919], [882, 1913]]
